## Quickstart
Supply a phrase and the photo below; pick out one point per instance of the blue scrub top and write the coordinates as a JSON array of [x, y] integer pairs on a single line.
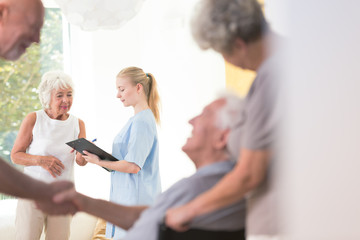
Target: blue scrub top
[[137, 142]]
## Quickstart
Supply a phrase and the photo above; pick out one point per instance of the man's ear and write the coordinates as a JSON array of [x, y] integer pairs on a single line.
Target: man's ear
[[222, 139], [4, 11]]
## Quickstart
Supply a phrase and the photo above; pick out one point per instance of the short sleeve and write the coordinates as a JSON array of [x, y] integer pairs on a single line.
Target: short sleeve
[[140, 143]]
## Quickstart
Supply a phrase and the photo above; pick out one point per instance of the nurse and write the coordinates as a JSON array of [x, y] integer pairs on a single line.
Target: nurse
[[135, 179]]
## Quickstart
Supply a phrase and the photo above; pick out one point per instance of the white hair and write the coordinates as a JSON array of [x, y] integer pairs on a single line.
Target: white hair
[[53, 80], [217, 23], [231, 114]]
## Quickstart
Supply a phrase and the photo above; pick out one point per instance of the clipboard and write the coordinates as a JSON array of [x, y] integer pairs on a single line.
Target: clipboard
[[82, 144]]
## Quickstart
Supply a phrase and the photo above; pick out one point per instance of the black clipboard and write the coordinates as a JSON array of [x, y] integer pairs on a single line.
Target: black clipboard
[[82, 144]]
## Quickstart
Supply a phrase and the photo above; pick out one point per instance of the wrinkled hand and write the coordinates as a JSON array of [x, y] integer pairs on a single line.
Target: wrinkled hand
[[49, 206], [53, 165], [179, 218], [79, 158], [91, 158]]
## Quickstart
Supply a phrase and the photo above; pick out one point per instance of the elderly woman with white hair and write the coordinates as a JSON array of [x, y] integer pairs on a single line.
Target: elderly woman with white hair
[[40, 147]]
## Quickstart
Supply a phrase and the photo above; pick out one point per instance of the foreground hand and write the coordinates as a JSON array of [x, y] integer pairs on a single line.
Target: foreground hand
[[179, 218], [47, 205], [53, 165], [70, 195], [92, 158]]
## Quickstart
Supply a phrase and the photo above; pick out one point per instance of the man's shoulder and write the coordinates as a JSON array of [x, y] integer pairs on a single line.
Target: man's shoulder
[[199, 182]]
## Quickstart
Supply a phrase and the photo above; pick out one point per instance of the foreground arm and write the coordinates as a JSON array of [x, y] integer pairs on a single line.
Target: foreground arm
[[15, 183], [122, 216], [249, 172]]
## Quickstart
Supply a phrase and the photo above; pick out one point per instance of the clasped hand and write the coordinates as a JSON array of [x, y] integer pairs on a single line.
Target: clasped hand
[[62, 199]]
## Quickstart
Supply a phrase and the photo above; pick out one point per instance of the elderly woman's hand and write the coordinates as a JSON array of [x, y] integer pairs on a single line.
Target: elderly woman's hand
[[53, 165], [80, 160], [92, 158]]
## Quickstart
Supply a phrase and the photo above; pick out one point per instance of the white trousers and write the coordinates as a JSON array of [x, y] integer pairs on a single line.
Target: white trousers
[[30, 221]]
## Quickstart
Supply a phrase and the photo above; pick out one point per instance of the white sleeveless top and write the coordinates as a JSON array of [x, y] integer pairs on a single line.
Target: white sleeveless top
[[49, 138]]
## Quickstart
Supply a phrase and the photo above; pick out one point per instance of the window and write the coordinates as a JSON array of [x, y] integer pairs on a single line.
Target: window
[[19, 80]]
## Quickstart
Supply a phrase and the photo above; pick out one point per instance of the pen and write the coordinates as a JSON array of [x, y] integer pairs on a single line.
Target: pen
[[94, 140]]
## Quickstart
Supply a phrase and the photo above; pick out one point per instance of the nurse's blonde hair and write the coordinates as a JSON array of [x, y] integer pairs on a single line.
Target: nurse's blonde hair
[[147, 80]]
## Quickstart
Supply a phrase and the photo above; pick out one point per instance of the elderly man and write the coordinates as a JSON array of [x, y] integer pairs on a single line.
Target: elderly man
[[20, 24], [207, 149], [238, 30]]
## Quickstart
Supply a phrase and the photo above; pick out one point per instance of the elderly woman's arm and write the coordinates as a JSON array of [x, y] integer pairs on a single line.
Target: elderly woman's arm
[[80, 160], [19, 156]]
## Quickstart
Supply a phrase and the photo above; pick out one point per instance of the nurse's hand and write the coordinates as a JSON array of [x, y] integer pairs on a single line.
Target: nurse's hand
[[91, 158]]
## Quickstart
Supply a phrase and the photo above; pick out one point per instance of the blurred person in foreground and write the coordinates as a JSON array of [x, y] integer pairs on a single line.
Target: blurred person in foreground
[[238, 30], [40, 147], [20, 24], [207, 150]]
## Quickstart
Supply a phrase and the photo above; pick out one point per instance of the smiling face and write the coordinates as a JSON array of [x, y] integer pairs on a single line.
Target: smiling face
[[127, 92], [20, 25], [204, 130], [60, 103]]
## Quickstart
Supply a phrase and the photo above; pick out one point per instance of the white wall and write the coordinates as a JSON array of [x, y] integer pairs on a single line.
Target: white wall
[[158, 40], [319, 168]]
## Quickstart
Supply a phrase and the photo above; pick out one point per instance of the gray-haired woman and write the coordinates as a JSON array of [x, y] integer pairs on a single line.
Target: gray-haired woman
[[40, 147]]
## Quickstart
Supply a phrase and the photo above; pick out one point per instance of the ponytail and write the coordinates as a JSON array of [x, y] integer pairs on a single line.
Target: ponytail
[[153, 97]]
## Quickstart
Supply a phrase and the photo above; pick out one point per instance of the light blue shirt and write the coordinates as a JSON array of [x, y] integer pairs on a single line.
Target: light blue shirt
[[138, 143]]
